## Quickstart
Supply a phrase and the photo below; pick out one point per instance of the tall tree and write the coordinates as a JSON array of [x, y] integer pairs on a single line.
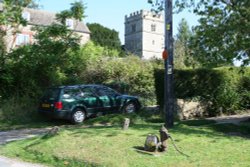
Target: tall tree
[[104, 36], [223, 34], [182, 51]]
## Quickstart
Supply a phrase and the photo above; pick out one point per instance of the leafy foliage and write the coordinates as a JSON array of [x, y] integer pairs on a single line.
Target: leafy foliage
[[10, 20], [223, 33], [182, 51], [92, 51], [104, 36], [47, 62], [157, 5], [128, 75], [76, 11]]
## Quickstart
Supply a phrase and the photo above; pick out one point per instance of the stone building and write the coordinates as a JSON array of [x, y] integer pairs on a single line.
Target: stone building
[[144, 34], [42, 18]]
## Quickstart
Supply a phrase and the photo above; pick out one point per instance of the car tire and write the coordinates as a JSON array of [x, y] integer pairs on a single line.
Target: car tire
[[129, 108], [78, 116]]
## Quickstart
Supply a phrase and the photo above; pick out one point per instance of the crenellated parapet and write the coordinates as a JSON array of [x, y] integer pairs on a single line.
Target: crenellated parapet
[[145, 15]]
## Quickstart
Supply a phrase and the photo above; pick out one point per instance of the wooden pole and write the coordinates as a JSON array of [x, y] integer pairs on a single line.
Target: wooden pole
[[168, 93]]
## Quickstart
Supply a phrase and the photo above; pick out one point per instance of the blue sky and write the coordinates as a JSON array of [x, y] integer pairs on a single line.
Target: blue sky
[[111, 13]]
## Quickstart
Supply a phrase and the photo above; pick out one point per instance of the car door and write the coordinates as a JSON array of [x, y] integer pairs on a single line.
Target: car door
[[90, 100], [80, 97], [69, 98], [108, 98]]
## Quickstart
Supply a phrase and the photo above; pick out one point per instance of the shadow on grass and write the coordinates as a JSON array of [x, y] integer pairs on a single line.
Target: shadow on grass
[[240, 130], [228, 129], [200, 122]]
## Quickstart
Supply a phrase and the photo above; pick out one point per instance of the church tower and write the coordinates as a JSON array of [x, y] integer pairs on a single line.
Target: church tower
[[144, 34]]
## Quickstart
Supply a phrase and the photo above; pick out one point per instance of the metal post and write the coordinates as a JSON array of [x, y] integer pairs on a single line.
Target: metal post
[[168, 92]]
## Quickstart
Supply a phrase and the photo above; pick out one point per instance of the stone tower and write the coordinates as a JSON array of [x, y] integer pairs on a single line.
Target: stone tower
[[144, 34]]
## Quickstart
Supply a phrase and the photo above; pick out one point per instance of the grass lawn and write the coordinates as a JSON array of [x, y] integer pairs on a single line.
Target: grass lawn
[[207, 144]]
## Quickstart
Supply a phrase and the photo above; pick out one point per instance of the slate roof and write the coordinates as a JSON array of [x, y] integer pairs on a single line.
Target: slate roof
[[44, 18]]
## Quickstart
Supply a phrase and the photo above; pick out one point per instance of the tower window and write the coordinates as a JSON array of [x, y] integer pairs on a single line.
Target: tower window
[[153, 27], [133, 28]]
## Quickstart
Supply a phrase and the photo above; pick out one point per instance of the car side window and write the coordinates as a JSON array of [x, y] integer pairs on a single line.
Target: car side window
[[87, 92], [72, 93], [105, 91]]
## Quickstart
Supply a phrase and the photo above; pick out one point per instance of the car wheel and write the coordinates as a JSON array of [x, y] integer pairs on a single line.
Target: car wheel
[[78, 116], [130, 108]]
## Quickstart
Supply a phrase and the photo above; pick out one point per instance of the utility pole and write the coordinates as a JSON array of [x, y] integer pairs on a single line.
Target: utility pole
[[168, 61]]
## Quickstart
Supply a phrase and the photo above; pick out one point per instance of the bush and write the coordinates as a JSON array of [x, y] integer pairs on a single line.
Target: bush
[[128, 75], [244, 89], [18, 109], [226, 88]]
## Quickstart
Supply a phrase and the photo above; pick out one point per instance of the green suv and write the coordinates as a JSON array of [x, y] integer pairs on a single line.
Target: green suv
[[78, 102]]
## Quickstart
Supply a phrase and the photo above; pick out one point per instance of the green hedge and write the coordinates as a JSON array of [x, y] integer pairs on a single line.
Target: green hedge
[[226, 88]]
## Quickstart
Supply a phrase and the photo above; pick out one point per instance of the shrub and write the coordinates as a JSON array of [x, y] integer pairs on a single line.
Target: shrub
[[244, 90], [18, 109], [129, 75]]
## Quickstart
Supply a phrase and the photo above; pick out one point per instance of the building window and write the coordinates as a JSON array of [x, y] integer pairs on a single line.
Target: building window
[[26, 16], [153, 42], [70, 23], [22, 39], [133, 27], [153, 27]]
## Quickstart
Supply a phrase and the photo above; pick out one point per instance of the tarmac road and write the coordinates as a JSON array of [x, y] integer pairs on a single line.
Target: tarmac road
[[12, 135], [7, 162]]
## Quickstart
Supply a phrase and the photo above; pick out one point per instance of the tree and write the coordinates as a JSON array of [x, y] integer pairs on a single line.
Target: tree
[[104, 36], [182, 51], [49, 61], [10, 20], [34, 4], [223, 33], [76, 11]]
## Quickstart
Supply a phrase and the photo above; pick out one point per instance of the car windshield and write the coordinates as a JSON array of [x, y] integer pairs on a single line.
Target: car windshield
[[51, 94]]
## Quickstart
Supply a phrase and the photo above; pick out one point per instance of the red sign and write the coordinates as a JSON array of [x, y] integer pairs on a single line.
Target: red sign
[[165, 54]]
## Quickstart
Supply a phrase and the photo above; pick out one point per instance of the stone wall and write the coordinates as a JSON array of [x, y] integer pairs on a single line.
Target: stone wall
[[187, 109]]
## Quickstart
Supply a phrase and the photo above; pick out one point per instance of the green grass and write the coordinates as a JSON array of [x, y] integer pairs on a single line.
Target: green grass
[[207, 144]]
